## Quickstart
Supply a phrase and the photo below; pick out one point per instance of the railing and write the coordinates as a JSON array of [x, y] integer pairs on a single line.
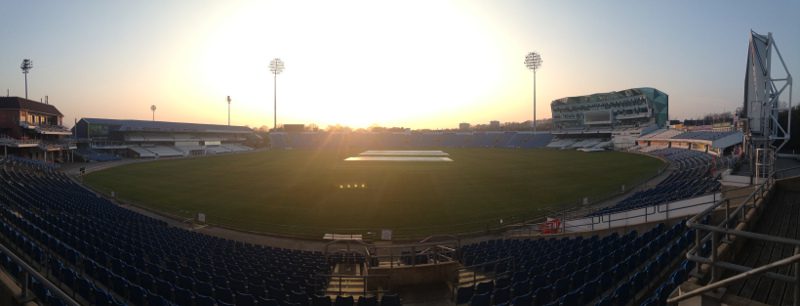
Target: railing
[[105, 144], [53, 129], [433, 252], [51, 146], [19, 141], [337, 281], [509, 261], [724, 234], [605, 221], [28, 273]]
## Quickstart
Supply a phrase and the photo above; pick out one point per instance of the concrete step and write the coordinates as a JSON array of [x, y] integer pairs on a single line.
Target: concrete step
[[467, 278], [346, 285]]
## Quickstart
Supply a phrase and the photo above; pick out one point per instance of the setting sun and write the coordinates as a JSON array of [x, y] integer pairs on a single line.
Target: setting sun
[[346, 67]]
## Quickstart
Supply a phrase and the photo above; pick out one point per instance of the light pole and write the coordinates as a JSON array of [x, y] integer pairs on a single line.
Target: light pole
[[229, 110], [533, 61], [26, 66], [276, 66], [153, 109]]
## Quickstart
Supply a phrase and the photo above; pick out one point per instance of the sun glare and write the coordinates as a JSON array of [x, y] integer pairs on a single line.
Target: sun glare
[[419, 64]]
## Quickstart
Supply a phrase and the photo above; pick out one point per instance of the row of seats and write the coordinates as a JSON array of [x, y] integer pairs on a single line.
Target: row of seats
[[627, 290], [385, 300], [107, 255], [680, 275], [567, 271], [691, 176], [34, 164], [92, 155]]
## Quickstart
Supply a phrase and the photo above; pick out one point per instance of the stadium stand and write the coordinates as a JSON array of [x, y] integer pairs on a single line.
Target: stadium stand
[[237, 148], [190, 149], [529, 140], [616, 118], [664, 133], [719, 143], [150, 139], [92, 155], [611, 270], [704, 135], [217, 149], [28, 163], [142, 152], [164, 151], [107, 255], [561, 143], [691, 176], [311, 140]]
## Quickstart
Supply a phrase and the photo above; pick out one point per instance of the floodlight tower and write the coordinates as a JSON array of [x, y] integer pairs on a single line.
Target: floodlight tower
[[533, 61], [153, 109], [229, 110], [26, 66], [276, 66], [764, 133]]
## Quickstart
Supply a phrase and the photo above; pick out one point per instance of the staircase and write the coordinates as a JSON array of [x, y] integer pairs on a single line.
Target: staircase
[[470, 277], [347, 279]]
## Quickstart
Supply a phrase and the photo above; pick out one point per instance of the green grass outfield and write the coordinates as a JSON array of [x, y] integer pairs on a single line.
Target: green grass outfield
[[297, 192]]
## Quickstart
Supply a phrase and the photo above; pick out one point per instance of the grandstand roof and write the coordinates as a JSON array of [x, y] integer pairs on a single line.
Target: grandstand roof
[[614, 95], [125, 125], [22, 103]]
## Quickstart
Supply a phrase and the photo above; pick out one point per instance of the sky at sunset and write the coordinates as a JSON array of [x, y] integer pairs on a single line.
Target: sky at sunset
[[418, 64]]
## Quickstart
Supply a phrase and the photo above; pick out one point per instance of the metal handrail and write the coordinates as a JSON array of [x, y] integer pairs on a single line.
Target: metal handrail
[[29, 272], [365, 279], [723, 228], [607, 217], [474, 281], [437, 250]]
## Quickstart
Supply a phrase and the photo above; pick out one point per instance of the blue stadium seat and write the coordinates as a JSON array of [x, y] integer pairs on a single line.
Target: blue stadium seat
[[484, 287], [390, 300], [464, 294], [522, 300], [157, 300], [589, 291], [321, 300], [483, 299], [367, 301], [501, 295], [542, 295], [265, 301], [502, 282], [568, 299], [603, 302], [183, 297], [202, 300], [344, 301]]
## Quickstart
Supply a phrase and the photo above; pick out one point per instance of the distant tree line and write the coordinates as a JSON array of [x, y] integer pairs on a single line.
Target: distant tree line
[[793, 146], [710, 119]]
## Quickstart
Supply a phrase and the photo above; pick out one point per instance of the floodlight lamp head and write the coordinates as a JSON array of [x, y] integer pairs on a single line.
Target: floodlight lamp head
[[276, 66], [26, 65], [533, 61]]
